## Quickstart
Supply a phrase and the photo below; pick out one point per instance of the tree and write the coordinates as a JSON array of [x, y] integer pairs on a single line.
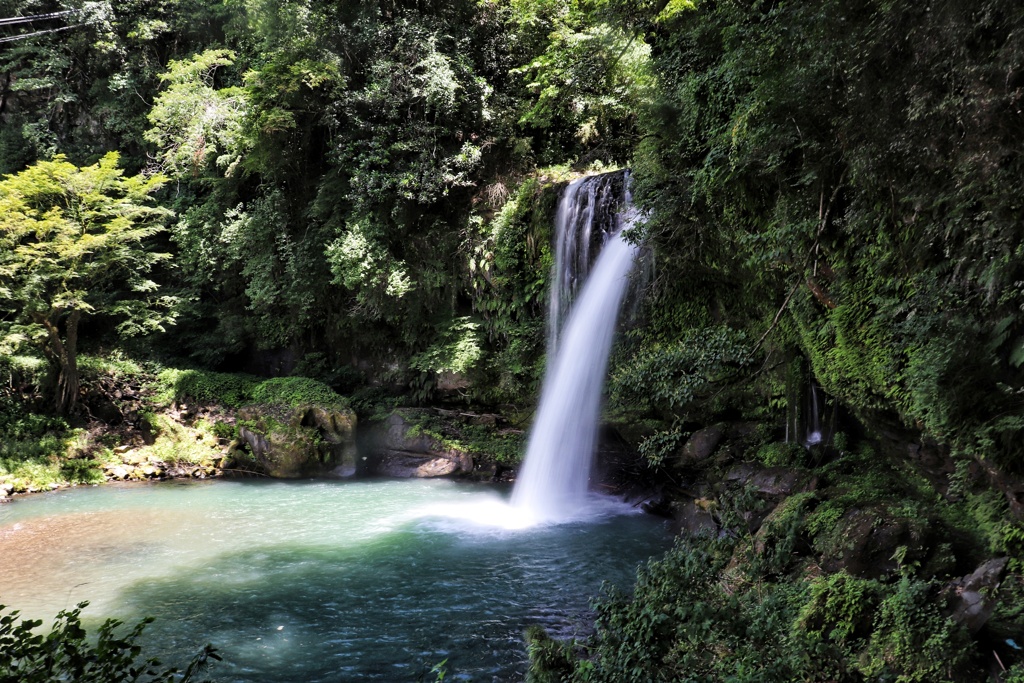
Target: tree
[[73, 244]]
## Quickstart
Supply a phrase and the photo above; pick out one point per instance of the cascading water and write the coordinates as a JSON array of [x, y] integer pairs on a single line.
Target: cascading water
[[586, 217], [552, 483]]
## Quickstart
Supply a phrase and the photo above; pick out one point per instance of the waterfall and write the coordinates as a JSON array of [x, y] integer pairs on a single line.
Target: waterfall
[[552, 483], [586, 217], [814, 432]]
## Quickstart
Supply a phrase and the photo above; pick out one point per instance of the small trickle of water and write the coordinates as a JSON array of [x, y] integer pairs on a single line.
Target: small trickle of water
[[814, 432], [552, 484]]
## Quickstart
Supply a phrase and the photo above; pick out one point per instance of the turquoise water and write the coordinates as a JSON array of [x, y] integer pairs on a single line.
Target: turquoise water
[[320, 581]]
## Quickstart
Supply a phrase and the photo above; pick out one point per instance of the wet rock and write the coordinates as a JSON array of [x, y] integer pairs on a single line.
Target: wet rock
[[133, 457], [701, 444], [778, 481], [150, 470], [411, 465], [742, 472], [659, 506], [974, 597]]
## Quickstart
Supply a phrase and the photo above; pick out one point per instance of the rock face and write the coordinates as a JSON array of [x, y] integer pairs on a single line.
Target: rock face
[[401, 449], [974, 596], [289, 443]]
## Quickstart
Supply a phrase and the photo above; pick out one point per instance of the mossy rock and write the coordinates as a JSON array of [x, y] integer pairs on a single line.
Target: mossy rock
[[304, 441]]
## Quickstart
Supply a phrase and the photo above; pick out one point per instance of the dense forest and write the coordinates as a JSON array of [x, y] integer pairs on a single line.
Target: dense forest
[[361, 193]]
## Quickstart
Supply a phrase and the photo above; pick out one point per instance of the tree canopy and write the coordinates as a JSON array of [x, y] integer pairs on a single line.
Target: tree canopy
[[74, 243]]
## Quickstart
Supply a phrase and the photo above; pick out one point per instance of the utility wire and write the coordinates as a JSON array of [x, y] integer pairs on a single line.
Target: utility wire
[[36, 17], [23, 36]]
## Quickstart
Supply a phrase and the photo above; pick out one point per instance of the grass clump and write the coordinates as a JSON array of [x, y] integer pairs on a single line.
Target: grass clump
[[176, 443]]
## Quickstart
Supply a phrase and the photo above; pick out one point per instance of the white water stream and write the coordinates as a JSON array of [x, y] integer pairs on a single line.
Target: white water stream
[[552, 484]]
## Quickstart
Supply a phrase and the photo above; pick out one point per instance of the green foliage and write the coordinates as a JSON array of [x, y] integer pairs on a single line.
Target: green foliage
[[674, 376], [194, 123], [696, 615], [37, 450], [483, 441], [178, 443], [880, 240], [73, 242], [69, 653], [779, 454], [840, 609], [585, 83], [229, 390], [663, 444], [509, 269], [457, 349], [235, 390], [914, 640], [295, 392]]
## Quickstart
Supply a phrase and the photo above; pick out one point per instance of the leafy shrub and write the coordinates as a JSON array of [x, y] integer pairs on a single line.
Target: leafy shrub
[[178, 443], [68, 653], [226, 389], [779, 454], [704, 613], [676, 374], [913, 640], [661, 445], [295, 391], [235, 390]]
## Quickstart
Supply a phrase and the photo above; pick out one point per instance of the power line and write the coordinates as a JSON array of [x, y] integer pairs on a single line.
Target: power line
[[10, 21], [23, 36]]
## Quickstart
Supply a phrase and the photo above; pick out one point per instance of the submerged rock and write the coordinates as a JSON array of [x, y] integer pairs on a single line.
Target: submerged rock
[[289, 443]]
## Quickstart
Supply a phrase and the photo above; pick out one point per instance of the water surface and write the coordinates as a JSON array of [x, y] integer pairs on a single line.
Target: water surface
[[319, 581]]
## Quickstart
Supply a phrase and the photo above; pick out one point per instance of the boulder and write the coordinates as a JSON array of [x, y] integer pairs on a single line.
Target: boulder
[[974, 596], [701, 444], [694, 517], [773, 482], [402, 449], [119, 472], [872, 542], [290, 443]]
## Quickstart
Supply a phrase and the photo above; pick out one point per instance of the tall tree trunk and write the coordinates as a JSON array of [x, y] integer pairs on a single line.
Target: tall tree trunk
[[67, 382], [64, 353]]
